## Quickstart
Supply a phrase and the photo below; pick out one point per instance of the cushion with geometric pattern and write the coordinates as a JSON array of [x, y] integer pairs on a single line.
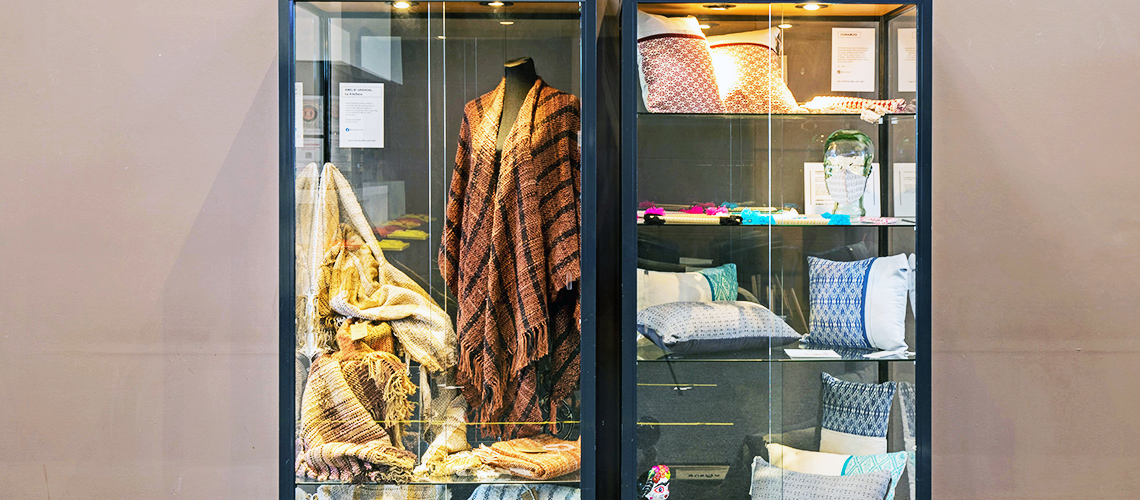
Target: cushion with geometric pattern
[[834, 464], [855, 416], [674, 65], [774, 483], [696, 327], [860, 304], [748, 72]]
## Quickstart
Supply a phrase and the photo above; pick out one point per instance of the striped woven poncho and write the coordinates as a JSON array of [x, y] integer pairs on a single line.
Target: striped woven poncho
[[510, 254]]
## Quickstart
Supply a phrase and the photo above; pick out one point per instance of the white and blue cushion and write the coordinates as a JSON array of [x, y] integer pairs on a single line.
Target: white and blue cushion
[[855, 416], [706, 285], [696, 327], [906, 398], [860, 304], [774, 483], [834, 464]]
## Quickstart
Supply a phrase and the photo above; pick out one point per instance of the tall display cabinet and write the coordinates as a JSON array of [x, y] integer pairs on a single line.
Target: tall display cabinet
[[782, 339], [560, 249]]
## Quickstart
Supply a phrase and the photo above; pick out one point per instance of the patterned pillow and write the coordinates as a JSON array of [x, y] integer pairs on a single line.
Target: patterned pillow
[[832, 464], [716, 283], [855, 416], [748, 72], [859, 304], [525, 491], [774, 483], [695, 327], [675, 67], [906, 398]]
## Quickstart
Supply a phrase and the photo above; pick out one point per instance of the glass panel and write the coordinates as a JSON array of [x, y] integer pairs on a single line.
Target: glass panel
[[437, 332], [758, 223]]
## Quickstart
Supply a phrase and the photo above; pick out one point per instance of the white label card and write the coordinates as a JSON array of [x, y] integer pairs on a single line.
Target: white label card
[[853, 59], [817, 200], [905, 187], [361, 109], [812, 354], [298, 117], [908, 60]]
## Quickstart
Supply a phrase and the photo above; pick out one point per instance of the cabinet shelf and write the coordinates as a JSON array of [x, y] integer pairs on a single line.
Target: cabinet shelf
[[652, 354], [905, 222], [569, 479], [765, 116]]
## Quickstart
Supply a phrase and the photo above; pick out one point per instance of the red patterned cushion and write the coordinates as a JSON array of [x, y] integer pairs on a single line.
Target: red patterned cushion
[[676, 68], [748, 73]]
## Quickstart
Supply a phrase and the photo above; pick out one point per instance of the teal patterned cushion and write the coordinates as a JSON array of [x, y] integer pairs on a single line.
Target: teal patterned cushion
[[895, 463], [773, 483], [722, 280]]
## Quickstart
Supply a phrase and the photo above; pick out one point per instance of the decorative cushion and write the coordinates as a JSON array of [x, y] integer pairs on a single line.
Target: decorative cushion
[[695, 327], [832, 464], [774, 483], [706, 285], [748, 72], [906, 398], [859, 304], [855, 416], [525, 492], [676, 69]]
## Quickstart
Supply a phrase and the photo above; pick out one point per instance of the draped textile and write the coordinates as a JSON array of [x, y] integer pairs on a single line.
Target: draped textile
[[540, 457], [510, 254]]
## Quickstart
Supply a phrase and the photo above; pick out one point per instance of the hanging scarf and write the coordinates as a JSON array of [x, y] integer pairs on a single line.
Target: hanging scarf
[[510, 254]]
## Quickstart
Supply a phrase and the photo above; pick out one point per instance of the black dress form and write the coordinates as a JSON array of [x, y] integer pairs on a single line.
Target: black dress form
[[520, 77]]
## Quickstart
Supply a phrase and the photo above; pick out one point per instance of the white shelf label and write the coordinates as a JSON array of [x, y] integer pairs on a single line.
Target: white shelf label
[[853, 59], [908, 60], [298, 120], [905, 189], [361, 115]]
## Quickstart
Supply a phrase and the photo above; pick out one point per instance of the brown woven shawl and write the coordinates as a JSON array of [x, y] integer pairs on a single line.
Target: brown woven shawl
[[510, 254]]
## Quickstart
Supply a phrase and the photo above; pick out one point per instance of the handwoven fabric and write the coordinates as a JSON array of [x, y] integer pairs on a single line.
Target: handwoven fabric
[[350, 411], [540, 457], [675, 67], [855, 416], [510, 254], [750, 80], [525, 492]]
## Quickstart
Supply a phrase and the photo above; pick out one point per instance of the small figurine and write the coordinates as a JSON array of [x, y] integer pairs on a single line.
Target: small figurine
[[654, 484]]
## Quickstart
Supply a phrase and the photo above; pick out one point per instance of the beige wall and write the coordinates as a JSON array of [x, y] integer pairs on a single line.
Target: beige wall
[[138, 238]]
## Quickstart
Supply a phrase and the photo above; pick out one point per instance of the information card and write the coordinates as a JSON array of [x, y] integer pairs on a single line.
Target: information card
[[908, 60], [361, 115], [852, 59], [298, 109], [905, 189]]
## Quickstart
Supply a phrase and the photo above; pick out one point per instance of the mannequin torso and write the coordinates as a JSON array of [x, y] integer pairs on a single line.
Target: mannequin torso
[[520, 77]]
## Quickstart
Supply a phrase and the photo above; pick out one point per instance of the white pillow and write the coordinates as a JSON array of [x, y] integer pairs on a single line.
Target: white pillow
[[714, 283], [674, 66], [860, 304]]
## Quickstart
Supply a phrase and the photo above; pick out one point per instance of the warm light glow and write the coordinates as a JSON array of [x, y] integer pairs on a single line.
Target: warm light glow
[[506, 23], [401, 5], [440, 37], [704, 26], [811, 6], [495, 4], [727, 73], [784, 26]]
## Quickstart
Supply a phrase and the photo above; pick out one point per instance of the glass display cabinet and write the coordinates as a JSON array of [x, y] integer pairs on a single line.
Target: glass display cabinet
[[431, 259], [775, 212]]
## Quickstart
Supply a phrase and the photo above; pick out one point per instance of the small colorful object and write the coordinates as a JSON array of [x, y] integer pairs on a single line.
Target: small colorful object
[[654, 483]]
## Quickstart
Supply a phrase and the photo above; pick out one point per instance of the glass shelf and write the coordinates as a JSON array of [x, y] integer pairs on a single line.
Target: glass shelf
[[904, 222], [569, 479], [763, 116], [649, 353]]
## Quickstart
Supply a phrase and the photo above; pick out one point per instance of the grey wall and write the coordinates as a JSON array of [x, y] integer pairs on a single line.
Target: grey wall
[[138, 239]]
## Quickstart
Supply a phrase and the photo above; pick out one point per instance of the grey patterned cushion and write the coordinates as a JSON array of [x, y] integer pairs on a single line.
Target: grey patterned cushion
[[773, 483], [525, 491], [694, 327]]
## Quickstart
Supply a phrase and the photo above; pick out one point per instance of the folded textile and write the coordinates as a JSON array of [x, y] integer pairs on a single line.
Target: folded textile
[[525, 492], [381, 492], [539, 457], [349, 419]]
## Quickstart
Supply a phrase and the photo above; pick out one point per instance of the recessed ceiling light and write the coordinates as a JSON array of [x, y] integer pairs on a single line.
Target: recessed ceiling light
[[496, 4], [719, 6], [784, 26], [506, 23], [812, 6], [440, 37], [706, 25], [402, 5]]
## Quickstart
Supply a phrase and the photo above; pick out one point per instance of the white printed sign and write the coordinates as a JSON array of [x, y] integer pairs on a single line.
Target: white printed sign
[[852, 59], [905, 190], [361, 109], [298, 105], [908, 59], [817, 200]]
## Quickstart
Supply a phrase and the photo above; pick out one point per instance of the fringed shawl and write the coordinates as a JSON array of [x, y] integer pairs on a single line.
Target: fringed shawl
[[510, 254]]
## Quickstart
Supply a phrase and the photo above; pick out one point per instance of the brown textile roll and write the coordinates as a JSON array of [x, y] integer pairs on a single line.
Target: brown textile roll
[[539, 457]]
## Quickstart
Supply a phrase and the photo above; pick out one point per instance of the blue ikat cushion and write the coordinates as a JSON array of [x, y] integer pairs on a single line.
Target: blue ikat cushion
[[860, 304], [855, 416]]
